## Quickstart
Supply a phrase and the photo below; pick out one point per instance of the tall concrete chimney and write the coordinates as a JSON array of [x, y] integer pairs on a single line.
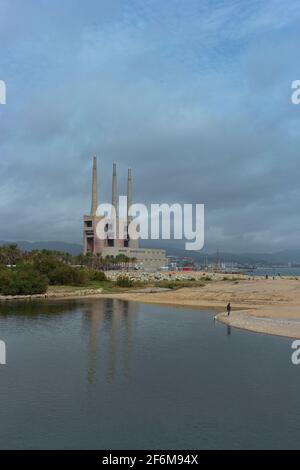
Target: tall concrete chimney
[[94, 188], [129, 192], [114, 188]]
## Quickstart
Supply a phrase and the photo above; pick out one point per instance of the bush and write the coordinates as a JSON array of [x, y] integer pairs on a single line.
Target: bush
[[66, 275], [46, 263], [173, 284], [179, 284], [58, 272], [8, 285], [24, 280], [97, 276], [124, 281], [10, 254]]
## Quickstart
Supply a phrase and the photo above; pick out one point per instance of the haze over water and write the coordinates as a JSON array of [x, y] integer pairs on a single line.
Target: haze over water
[[107, 374]]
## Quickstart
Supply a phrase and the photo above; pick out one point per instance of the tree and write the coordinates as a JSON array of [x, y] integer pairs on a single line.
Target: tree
[[124, 281], [23, 280], [10, 254]]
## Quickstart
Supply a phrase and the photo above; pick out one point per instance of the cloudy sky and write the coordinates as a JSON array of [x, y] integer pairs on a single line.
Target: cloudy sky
[[194, 95]]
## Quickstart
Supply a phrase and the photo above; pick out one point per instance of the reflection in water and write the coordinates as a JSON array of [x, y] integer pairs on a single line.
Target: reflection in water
[[217, 325], [111, 321], [128, 310], [183, 374], [32, 309], [107, 321]]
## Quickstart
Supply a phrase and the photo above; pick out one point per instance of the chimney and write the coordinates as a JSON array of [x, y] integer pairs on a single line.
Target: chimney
[[94, 188], [114, 188], [129, 192]]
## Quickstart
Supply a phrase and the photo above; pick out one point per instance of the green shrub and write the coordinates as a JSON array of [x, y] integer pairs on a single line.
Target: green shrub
[[98, 276], [46, 263], [8, 285], [24, 280], [172, 285], [68, 276], [58, 272], [124, 281], [10, 254], [179, 284]]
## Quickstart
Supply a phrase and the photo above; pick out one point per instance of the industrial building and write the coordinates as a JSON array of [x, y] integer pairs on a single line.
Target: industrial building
[[112, 245]]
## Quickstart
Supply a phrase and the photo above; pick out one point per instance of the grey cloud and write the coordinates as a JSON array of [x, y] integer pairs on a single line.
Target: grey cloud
[[129, 92]]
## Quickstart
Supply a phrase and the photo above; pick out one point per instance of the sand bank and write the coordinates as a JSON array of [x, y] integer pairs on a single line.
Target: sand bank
[[260, 305]]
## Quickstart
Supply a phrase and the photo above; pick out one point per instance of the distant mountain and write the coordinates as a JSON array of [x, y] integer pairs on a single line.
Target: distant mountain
[[243, 258], [72, 248], [280, 257], [284, 256], [288, 255]]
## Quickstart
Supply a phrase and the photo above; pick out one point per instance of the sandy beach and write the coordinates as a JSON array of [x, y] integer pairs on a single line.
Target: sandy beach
[[259, 304]]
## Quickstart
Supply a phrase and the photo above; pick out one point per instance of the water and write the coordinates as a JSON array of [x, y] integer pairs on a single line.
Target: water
[[108, 374], [284, 271]]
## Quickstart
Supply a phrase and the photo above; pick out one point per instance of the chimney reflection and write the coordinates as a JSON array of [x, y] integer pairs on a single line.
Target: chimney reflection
[[109, 323]]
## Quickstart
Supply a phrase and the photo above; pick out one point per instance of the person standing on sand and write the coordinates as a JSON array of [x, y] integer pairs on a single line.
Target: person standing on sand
[[228, 309]]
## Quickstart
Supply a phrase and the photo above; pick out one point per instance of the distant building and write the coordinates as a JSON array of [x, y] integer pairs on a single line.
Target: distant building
[[112, 245]]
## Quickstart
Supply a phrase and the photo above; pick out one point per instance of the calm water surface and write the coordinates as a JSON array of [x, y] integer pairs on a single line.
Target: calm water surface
[[108, 374], [275, 272]]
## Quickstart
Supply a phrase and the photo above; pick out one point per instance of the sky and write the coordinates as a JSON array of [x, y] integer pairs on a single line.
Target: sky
[[194, 95]]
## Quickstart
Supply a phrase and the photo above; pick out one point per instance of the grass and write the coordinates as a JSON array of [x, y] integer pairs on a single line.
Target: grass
[[233, 279], [112, 287], [92, 285], [106, 286], [109, 286], [178, 284]]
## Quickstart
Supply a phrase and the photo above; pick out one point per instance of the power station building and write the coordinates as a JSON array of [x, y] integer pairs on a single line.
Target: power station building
[[112, 245]]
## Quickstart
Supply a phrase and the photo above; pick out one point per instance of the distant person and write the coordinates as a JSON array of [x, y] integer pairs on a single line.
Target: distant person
[[228, 309], [267, 277]]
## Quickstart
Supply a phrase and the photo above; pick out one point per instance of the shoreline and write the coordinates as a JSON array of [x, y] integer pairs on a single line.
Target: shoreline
[[263, 325], [258, 305], [240, 317]]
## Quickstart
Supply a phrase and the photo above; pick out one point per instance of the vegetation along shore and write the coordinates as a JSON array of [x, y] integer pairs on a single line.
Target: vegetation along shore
[[262, 305]]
